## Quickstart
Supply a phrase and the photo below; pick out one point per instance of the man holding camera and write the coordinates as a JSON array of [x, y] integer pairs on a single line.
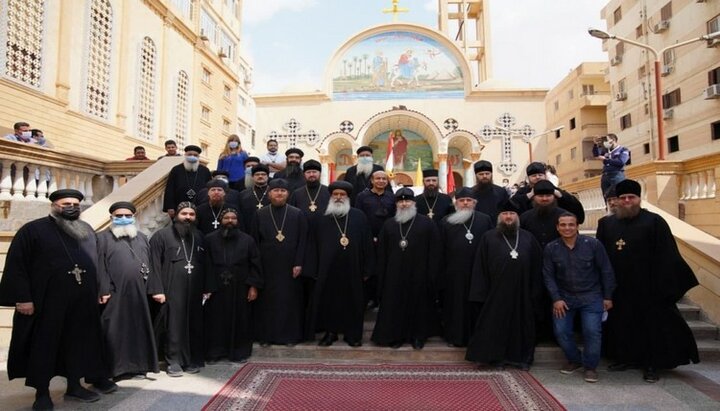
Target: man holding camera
[[614, 157]]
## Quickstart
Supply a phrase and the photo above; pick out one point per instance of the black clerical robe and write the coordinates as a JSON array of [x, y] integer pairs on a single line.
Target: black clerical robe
[[645, 326], [489, 199], [178, 272], [307, 195], [338, 304], [123, 264], [183, 185], [509, 290], [251, 200], [279, 314], [232, 198], [294, 181], [543, 226], [208, 218], [360, 182], [235, 263], [458, 256], [405, 280], [440, 204], [63, 336], [568, 201]]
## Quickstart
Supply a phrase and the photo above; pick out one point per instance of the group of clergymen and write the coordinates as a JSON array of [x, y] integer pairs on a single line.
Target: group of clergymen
[[278, 263]]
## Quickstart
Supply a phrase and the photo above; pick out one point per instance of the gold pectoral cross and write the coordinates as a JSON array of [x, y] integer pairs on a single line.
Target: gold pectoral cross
[[620, 244], [312, 207], [280, 236]]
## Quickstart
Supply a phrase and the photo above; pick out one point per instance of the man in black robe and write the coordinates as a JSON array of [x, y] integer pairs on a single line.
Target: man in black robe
[[293, 172], [123, 269], [645, 327], [234, 260], [280, 231], [359, 174], [432, 202], [535, 173], [345, 259], [490, 197], [232, 196], [50, 278], [246, 182], [256, 197], [460, 235], [208, 214], [507, 281], [407, 259], [177, 281], [185, 180]]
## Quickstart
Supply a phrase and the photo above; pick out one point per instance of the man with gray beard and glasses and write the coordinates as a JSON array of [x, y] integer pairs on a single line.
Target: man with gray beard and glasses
[[344, 261], [408, 258], [507, 281], [50, 277], [460, 235]]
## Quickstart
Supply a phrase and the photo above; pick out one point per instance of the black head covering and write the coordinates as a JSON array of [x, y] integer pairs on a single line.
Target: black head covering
[[341, 185], [184, 204], [362, 149], [509, 205], [535, 168], [228, 210], [123, 204], [464, 192], [193, 147], [251, 158], [278, 183], [483, 165], [405, 194], [312, 165], [65, 193], [543, 187], [217, 183], [260, 168], [628, 187], [220, 173], [430, 173], [294, 150]]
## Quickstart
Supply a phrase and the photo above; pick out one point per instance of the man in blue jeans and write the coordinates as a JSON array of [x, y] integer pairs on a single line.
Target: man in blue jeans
[[580, 279], [614, 158]]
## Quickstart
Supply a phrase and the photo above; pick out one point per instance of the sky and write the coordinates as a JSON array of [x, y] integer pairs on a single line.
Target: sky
[[534, 43]]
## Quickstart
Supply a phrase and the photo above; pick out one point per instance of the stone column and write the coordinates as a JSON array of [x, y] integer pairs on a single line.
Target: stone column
[[325, 174], [443, 171]]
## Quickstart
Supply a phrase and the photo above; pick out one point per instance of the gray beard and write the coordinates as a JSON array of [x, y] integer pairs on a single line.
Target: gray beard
[[120, 231], [403, 216], [460, 216], [508, 229], [76, 229], [338, 209], [191, 166], [364, 169], [249, 182]]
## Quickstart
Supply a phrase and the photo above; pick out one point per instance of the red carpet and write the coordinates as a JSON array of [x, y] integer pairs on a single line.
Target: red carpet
[[317, 387]]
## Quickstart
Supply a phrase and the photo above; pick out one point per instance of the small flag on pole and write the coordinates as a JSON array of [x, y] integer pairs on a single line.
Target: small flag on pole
[[450, 180], [389, 159], [419, 174]]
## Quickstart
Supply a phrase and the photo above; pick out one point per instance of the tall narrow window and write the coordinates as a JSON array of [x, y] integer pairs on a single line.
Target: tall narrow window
[[181, 108], [146, 90], [22, 45], [97, 87]]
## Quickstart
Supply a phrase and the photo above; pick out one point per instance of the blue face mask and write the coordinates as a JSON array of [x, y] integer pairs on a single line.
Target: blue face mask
[[123, 220], [233, 144], [365, 160], [191, 159]]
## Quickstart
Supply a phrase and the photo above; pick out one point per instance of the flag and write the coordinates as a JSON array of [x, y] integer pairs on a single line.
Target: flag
[[389, 159], [331, 166], [450, 180], [419, 174]]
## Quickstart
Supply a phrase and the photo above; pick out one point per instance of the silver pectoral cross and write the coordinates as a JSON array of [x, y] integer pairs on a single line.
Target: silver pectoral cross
[[76, 272], [189, 267], [215, 224]]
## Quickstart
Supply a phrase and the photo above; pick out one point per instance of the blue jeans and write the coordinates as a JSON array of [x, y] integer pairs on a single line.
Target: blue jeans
[[591, 315], [609, 179]]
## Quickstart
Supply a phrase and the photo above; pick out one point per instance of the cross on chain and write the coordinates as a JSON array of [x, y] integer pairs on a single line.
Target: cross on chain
[[189, 267], [292, 127], [504, 130], [215, 224]]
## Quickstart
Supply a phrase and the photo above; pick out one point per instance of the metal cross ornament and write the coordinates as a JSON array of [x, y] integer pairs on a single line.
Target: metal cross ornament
[[505, 131], [76, 271], [293, 135]]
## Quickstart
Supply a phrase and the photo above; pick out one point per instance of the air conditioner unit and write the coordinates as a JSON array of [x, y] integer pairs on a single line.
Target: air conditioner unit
[[621, 96], [668, 113], [203, 36], [666, 69], [221, 53], [662, 26], [712, 92], [713, 43], [615, 60]]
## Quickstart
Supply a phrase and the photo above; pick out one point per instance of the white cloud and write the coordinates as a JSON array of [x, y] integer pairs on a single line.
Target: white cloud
[[258, 11], [431, 5]]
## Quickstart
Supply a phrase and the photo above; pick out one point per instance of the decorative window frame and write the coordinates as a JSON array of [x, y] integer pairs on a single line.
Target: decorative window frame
[[84, 99], [4, 20]]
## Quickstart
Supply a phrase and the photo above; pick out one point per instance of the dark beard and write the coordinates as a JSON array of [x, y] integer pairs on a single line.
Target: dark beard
[[546, 210], [627, 213], [229, 232], [293, 170], [313, 184], [508, 229], [482, 186], [431, 192], [183, 229], [76, 229]]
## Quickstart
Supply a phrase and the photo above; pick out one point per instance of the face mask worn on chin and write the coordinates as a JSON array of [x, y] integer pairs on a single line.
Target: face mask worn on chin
[[70, 212], [123, 220], [191, 159], [233, 144]]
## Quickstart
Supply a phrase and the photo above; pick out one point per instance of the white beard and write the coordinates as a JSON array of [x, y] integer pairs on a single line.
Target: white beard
[[338, 209], [120, 231], [249, 182], [460, 216], [365, 169], [405, 215], [191, 166]]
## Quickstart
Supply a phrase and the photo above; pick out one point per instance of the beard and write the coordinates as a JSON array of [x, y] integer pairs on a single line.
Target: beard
[[312, 184], [546, 209], [338, 208], [404, 215], [507, 229], [120, 231], [214, 202], [191, 166], [293, 170], [627, 212], [76, 229], [460, 216], [431, 191], [183, 228], [229, 231], [482, 185], [249, 182], [365, 169]]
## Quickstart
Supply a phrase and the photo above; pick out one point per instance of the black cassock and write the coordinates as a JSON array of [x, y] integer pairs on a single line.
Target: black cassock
[[509, 290], [568, 201], [359, 182], [454, 283], [235, 263], [179, 324], [180, 182], [338, 303], [294, 182], [441, 205], [250, 198], [208, 218], [405, 280], [63, 336], [319, 195], [278, 313], [489, 199], [232, 198], [127, 326], [645, 326]]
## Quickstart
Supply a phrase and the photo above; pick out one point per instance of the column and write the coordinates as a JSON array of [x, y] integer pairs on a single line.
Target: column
[[442, 171], [65, 48], [6, 182], [19, 184], [325, 173]]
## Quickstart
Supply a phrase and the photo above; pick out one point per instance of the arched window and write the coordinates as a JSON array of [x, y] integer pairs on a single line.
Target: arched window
[[146, 90], [22, 40], [97, 88], [181, 108]]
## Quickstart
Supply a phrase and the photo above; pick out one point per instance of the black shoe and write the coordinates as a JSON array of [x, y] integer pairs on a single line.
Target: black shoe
[[174, 370], [79, 393], [328, 339], [618, 366], [192, 369], [651, 375], [104, 386], [354, 343], [43, 402], [396, 344], [418, 344]]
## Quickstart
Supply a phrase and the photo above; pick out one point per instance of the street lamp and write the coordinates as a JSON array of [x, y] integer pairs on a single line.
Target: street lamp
[[603, 35]]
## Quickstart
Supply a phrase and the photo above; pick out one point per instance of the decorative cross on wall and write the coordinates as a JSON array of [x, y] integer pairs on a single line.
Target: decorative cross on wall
[[504, 130], [347, 126], [292, 135], [450, 124]]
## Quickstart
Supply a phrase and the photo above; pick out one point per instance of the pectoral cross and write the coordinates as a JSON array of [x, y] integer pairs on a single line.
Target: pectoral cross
[[226, 276], [76, 272], [280, 236], [215, 224], [431, 214], [259, 206], [144, 271], [620, 244], [312, 207], [189, 267]]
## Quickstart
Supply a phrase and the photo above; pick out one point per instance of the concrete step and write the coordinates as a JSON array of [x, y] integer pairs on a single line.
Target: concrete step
[[703, 330], [689, 312]]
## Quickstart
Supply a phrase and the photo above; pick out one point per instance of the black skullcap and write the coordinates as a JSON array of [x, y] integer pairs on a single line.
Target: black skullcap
[[228, 210], [183, 205], [65, 193], [312, 165], [217, 183], [251, 158], [509, 205], [278, 183], [294, 150], [543, 187], [628, 187], [220, 173], [123, 204], [430, 173], [193, 147], [483, 165], [341, 185], [363, 149], [405, 194], [464, 192], [535, 168], [260, 168]]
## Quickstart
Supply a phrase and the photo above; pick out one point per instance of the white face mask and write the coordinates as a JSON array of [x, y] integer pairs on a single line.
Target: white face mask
[[608, 144], [365, 160], [26, 134]]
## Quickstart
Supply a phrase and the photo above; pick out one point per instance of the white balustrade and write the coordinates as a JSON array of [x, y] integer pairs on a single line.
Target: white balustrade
[[700, 185], [6, 181], [19, 184]]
